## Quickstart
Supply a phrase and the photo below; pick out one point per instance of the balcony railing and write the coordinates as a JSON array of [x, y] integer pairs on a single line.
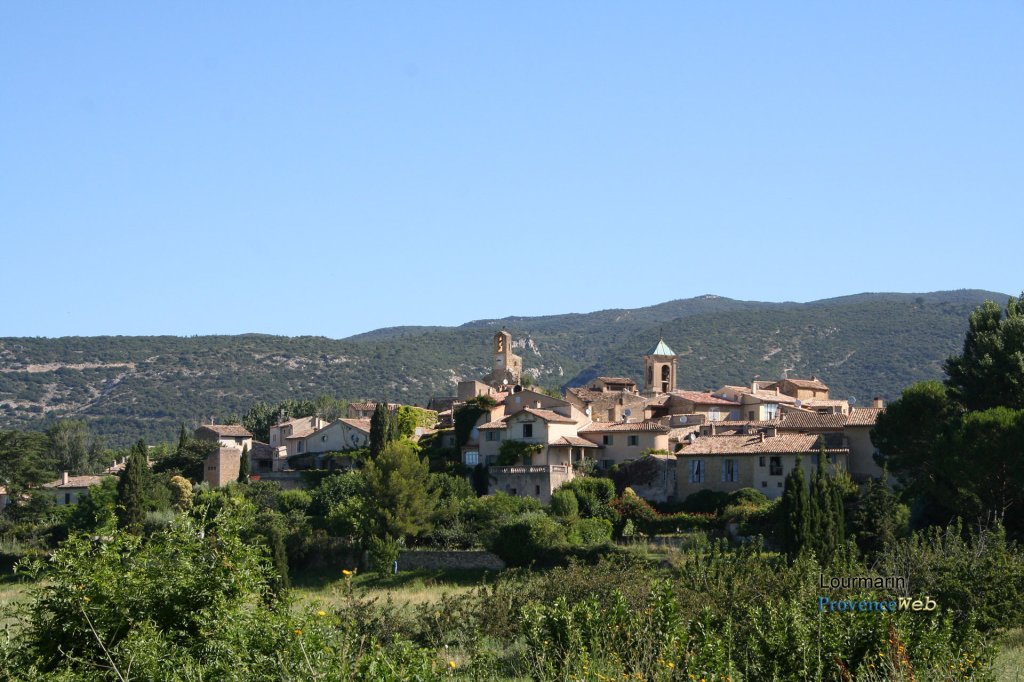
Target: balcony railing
[[533, 469]]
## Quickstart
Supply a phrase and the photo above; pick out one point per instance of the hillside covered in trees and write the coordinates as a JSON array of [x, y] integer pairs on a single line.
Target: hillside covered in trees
[[127, 387]]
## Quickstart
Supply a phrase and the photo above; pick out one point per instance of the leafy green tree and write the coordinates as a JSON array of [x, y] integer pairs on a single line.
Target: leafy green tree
[[913, 436], [405, 422], [401, 499], [69, 445], [188, 457], [990, 371], [258, 419], [25, 460], [131, 503], [181, 493], [986, 462], [97, 508]]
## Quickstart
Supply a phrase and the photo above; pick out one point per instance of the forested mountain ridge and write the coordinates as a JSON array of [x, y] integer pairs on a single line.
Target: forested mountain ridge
[[132, 386]]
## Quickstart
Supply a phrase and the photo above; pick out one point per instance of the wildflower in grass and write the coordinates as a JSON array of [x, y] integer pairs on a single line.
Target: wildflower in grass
[[298, 632], [345, 572], [321, 613], [452, 665]]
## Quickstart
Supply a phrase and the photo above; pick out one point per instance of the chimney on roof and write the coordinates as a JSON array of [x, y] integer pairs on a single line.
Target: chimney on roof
[[878, 402], [63, 478], [762, 436], [753, 385]]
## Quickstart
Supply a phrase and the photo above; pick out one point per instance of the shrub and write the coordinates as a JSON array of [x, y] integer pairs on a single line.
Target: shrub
[[527, 539], [705, 501], [588, 532], [564, 504], [383, 553], [747, 496]]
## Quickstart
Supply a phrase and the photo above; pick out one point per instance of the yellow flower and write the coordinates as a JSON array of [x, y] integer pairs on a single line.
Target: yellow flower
[[670, 665], [321, 613], [345, 572], [298, 632], [86, 599], [452, 664]]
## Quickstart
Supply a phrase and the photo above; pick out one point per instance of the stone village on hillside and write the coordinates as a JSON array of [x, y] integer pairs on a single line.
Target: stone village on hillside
[[675, 442]]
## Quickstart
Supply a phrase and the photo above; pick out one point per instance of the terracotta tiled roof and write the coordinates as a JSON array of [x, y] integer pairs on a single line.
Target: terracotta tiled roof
[[357, 424], [609, 397], [813, 420], [790, 421], [815, 402], [370, 407], [702, 398], [864, 416], [301, 432], [75, 482], [546, 415], [748, 445], [229, 430], [262, 451], [294, 422], [573, 441], [805, 383], [616, 380], [605, 427]]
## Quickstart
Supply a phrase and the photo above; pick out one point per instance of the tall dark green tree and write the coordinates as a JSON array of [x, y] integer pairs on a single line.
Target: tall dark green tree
[[243, 465], [382, 429], [131, 502], [795, 513], [827, 523]]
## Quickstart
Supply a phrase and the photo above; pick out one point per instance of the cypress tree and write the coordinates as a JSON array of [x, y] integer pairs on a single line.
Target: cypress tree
[[131, 511], [795, 511], [183, 440], [822, 501], [243, 465], [379, 429]]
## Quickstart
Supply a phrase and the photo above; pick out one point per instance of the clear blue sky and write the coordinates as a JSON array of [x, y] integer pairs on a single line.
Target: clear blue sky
[[330, 168]]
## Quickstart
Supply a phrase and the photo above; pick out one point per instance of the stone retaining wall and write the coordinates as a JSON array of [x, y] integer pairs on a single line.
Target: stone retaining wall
[[433, 560]]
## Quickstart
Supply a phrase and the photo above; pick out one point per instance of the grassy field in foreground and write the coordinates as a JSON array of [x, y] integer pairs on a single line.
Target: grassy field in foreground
[[1010, 660], [326, 586], [11, 593]]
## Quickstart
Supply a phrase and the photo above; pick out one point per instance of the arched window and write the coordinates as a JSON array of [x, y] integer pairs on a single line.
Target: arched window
[[665, 376]]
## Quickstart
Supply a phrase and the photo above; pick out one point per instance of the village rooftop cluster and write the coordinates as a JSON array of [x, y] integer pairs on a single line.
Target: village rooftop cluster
[[668, 443]]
